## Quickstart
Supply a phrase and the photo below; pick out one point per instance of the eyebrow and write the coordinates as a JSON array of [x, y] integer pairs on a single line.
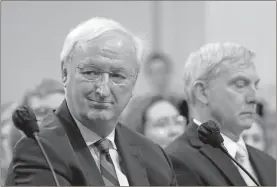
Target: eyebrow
[[86, 64], [244, 77]]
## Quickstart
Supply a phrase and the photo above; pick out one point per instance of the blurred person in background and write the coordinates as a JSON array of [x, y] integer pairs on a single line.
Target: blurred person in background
[[158, 70], [161, 121], [268, 119], [256, 135], [9, 136], [45, 97], [270, 122]]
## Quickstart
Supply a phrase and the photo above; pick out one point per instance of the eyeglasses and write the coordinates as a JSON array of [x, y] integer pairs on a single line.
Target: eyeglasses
[[178, 120], [42, 111], [94, 73]]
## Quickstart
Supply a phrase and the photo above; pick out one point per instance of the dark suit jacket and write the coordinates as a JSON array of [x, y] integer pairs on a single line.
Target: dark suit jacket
[[199, 164], [144, 162]]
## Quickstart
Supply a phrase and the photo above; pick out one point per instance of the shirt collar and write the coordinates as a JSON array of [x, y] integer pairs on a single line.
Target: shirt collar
[[91, 137], [230, 145]]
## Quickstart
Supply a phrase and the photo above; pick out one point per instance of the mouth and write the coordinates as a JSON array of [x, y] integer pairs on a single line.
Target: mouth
[[100, 104], [247, 113]]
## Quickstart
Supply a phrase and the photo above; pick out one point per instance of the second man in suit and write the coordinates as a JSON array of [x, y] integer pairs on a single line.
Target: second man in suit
[[221, 85]]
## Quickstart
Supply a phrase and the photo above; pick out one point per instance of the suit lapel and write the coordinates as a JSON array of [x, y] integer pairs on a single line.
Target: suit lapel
[[217, 157], [82, 152], [259, 167], [131, 155], [224, 163]]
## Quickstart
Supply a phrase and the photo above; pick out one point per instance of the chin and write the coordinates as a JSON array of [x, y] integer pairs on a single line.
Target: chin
[[246, 124], [100, 115]]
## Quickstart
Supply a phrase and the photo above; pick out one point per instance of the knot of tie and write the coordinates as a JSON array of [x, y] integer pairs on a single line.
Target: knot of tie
[[104, 145], [241, 154]]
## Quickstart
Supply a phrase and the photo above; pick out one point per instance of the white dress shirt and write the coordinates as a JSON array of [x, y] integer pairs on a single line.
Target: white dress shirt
[[232, 147], [90, 138]]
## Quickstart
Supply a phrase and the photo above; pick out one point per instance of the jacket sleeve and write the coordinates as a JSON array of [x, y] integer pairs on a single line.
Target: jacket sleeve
[[29, 166]]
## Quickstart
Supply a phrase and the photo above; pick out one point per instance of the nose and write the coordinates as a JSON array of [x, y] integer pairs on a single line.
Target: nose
[[252, 97], [103, 89]]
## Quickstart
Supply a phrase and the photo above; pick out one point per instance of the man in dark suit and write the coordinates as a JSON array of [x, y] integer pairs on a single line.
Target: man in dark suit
[[220, 85], [83, 138]]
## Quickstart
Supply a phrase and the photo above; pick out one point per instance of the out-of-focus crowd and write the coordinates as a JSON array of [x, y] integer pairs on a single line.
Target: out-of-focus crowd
[[160, 115]]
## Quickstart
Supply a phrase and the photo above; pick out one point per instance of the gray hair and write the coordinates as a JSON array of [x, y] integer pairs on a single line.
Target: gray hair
[[204, 64], [93, 28]]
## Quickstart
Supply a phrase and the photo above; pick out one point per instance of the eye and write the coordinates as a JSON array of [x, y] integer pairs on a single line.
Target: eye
[[90, 72], [162, 122], [241, 83], [117, 75]]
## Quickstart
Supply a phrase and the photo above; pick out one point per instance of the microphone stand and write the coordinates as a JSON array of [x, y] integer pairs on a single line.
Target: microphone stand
[[46, 157], [226, 152]]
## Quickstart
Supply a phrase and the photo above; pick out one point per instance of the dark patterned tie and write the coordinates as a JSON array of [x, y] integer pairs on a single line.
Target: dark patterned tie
[[107, 168]]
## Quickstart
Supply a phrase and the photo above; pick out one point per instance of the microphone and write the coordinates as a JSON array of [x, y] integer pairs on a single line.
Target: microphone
[[25, 120], [209, 133]]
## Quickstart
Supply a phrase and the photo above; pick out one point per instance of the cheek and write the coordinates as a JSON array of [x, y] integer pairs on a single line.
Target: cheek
[[226, 100], [155, 133], [122, 94], [180, 129], [77, 90]]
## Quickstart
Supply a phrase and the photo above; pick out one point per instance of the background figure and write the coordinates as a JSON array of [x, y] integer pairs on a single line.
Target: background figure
[[256, 136], [45, 97], [153, 115], [9, 135], [158, 70], [268, 120], [162, 121]]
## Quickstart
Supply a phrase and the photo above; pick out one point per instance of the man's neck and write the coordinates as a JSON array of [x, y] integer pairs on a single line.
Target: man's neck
[[101, 127], [201, 116], [231, 135]]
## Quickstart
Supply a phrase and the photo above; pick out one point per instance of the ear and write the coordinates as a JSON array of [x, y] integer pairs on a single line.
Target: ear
[[200, 89], [64, 73]]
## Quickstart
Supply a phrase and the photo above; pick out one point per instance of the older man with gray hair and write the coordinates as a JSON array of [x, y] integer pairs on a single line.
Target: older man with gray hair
[[86, 144], [221, 85]]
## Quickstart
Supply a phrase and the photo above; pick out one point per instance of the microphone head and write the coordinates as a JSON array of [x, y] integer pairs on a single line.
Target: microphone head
[[209, 133], [25, 120]]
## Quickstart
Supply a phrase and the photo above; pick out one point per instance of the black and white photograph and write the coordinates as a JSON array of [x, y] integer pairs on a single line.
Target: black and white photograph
[[138, 93]]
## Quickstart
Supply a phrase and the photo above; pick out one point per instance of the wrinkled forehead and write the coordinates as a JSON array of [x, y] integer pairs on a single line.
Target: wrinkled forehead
[[234, 64], [232, 68], [112, 45]]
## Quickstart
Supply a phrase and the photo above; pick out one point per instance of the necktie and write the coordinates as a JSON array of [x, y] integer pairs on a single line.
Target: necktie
[[107, 168], [242, 158]]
